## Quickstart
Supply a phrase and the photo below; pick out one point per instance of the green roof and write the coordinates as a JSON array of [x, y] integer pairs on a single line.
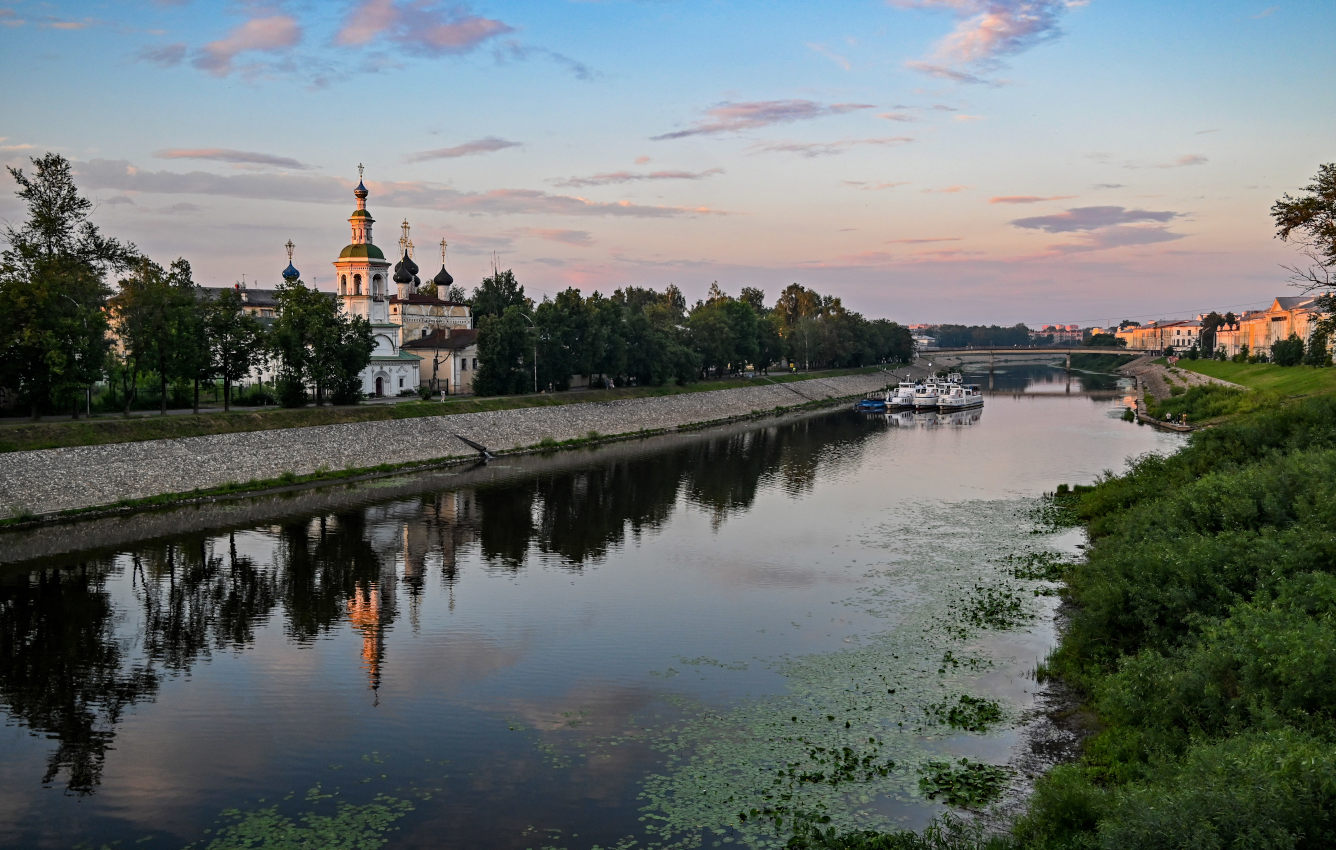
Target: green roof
[[364, 250], [361, 214]]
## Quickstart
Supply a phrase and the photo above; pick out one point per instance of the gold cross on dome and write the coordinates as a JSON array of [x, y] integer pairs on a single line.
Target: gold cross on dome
[[359, 172], [289, 246], [442, 252]]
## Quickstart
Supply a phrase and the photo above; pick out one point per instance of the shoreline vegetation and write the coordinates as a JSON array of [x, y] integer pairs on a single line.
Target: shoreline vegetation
[[1200, 640]]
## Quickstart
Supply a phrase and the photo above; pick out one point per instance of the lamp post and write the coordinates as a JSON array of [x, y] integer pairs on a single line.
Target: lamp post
[[88, 388], [530, 320]]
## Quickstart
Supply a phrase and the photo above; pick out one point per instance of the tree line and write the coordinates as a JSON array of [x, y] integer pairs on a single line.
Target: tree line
[[648, 337]]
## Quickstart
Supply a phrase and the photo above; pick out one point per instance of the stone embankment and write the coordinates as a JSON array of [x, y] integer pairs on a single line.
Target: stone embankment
[[52, 480]]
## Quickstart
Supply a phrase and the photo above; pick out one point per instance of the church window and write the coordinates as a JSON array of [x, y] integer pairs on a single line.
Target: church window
[[375, 285], [357, 284], [343, 284], [475, 363], [464, 367]]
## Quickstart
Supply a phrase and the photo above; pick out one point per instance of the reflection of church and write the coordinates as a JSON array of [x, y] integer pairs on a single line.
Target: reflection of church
[[407, 538], [363, 278]]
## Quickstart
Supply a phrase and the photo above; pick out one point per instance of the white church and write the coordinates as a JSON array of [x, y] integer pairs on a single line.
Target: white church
[[402, 316]]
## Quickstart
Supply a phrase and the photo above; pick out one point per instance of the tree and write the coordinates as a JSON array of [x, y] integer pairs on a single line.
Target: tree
[[1309, 221], [497, 292], [1288, 352], [155, 311], [193, 359], [52, 290], [504, 354], [316, 344], [1211, 322], [236, 340], [1318, 352]]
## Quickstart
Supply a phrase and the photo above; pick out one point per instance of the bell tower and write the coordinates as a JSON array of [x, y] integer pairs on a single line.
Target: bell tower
[[361, 273]]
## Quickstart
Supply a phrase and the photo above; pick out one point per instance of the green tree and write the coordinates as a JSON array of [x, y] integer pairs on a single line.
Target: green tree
[[52, 290], [236, 340], [1318, 352], [317, 345], [155, 311], [1288, 352], [497, 291], [194, 355], [504, 354]]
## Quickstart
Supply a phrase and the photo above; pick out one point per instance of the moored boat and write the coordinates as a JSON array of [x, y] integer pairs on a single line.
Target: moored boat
[[960, 397]]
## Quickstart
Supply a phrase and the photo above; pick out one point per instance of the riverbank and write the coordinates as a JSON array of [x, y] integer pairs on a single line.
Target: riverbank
[[44, 482]]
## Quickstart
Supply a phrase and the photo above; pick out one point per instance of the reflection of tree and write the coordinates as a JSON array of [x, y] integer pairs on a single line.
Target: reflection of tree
[[63, 672], [194, 598], [723, 475], [505, 524], [581, 513]]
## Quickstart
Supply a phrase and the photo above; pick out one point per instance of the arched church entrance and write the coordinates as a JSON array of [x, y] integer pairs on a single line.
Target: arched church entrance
[[380, 386]]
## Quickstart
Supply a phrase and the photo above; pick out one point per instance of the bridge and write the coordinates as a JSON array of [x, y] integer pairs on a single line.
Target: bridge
[[995, 352]]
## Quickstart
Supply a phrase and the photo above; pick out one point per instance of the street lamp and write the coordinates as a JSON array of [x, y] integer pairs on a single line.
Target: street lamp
[[88, 388], [529, 319]]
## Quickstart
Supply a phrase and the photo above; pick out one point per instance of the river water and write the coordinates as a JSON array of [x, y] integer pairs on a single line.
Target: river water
[[675, 642]]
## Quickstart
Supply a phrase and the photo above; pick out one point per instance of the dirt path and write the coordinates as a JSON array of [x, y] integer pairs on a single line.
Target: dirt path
[[1154, 378]]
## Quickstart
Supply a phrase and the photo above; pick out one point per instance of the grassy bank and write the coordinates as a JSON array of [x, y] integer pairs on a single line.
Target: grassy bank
[[1202, 640], [25, 436], [1268, 387], [1285, 380]]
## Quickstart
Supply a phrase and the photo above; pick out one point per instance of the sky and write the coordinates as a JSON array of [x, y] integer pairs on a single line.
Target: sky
[[970, 161]]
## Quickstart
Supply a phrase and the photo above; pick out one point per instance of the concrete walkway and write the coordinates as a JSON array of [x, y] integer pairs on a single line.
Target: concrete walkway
[[52, 480]]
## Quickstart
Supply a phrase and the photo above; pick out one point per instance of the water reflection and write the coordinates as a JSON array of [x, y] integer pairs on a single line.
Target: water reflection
[[72, 661]]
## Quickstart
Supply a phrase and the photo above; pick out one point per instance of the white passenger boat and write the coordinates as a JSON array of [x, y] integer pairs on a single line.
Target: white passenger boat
[[959, 397], [925, 396], [901, 396]]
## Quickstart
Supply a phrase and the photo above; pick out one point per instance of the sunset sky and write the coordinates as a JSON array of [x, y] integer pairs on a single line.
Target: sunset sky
[[966, 161]]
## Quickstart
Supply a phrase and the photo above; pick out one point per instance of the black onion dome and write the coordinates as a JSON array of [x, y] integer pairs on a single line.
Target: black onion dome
[[417, 283], [443, 278], [410, 266], [401, 272]]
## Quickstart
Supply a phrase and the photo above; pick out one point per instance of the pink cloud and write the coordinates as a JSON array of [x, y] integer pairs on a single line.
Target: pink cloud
[[1027, 199], [612, 177], [814, 149], [947, 190], [257, 34], [489, 144], [731, 117], [987, 31], [232, 156], [580, 238], [424, 28]]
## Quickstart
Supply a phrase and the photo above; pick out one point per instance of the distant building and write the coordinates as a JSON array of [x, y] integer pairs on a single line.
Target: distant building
[[1258, 329], [1179, 334], [449, 359]]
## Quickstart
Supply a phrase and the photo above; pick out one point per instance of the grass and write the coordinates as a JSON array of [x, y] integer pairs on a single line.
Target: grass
[[1284, 380], [22, 435]]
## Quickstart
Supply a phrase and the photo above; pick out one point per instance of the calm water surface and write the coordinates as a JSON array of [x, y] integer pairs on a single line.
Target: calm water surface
[[629, 648]]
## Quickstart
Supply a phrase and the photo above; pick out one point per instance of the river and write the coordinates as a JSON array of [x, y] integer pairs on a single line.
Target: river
[[676, 642]]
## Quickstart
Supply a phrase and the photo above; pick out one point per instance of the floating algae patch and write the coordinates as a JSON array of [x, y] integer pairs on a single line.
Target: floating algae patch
[[851, 742], [967, 784]]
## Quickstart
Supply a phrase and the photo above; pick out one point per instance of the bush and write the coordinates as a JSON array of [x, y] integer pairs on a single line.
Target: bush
[[254, 396], [290, 393]]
